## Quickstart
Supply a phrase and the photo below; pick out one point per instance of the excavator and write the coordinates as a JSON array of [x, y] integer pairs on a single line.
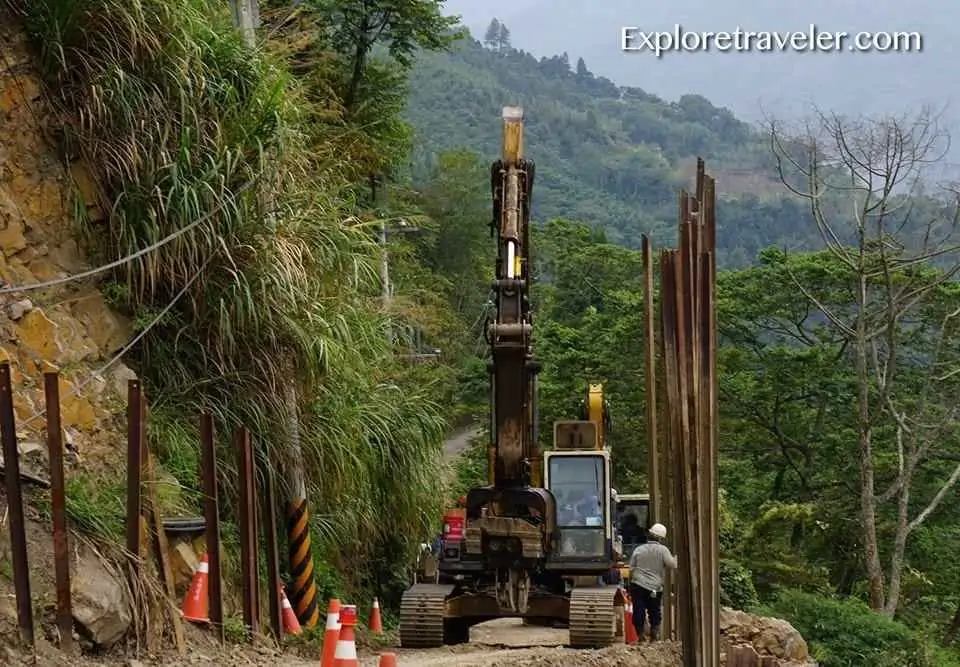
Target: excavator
[[538, 539]]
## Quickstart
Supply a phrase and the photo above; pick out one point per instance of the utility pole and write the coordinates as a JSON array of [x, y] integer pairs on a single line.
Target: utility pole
[[246, 16], [376, 187], [302, 589], [385, 291]]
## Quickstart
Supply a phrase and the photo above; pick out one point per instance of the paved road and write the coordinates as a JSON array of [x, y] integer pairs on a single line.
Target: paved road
[[459, 440]]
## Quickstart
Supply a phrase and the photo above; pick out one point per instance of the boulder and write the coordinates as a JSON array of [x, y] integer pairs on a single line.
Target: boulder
[[100, 604], [769, 636]]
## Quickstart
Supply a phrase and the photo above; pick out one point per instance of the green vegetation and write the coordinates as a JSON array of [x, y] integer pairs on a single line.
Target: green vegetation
[[846, 632], [279, 168], [608, 156], [188, 127]]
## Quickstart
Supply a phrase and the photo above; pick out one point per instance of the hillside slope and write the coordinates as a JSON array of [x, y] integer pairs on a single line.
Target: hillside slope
[[606, 155], [68, 328]]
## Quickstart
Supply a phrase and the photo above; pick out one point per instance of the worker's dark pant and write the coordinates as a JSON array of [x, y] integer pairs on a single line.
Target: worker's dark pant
[[646, 604]]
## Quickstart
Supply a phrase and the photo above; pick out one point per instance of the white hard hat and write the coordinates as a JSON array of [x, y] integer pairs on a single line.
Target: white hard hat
[[658, 530]]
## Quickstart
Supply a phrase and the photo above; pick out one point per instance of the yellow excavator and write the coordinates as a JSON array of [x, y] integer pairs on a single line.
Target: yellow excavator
[[631, 517], [535, 542]]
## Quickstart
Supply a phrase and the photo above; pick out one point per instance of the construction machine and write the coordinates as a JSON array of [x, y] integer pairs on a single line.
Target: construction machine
[[632, 517], [516, 554]]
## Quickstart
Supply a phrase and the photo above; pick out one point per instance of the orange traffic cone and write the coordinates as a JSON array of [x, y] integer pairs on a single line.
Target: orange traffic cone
[[388, 660], [376, 623], [196, 605], [630, 632], [291, 625], [346, 655], [332, 634]]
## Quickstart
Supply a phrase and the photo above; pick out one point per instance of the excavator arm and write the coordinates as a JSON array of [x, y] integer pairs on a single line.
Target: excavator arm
[[512, 522], [513, 369]]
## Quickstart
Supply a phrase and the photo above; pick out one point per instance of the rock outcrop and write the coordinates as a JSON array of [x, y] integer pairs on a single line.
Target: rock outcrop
[[768, 636], [68, 328]]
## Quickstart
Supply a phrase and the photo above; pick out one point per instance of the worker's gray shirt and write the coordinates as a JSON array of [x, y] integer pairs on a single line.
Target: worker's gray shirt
[[648, 563]]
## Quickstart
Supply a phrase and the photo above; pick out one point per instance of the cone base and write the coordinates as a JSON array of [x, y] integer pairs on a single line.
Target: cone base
[[194, 619]]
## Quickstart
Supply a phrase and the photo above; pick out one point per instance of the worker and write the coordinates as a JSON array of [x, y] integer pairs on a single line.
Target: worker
[[630, 529], [648, 564], [591, 511]]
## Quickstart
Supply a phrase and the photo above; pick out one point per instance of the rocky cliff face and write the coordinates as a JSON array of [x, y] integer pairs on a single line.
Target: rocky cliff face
[[68, 328]]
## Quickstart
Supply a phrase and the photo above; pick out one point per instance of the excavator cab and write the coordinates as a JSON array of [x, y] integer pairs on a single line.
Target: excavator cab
[[580, 481]]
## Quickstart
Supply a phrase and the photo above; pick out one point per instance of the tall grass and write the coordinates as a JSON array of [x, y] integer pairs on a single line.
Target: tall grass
[[179, 118]]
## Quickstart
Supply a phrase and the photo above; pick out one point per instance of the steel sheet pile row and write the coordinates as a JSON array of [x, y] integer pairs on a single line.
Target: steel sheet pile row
[[682, 420]]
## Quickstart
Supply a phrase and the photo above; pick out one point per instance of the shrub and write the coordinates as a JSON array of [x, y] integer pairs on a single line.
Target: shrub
[[847, 633], [736, 586]]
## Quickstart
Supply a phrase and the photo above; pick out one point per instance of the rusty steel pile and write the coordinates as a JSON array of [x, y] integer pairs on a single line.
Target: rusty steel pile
[[682, 420]]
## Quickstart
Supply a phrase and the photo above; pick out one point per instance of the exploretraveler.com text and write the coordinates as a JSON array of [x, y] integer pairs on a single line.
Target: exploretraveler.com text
[[659, 42]]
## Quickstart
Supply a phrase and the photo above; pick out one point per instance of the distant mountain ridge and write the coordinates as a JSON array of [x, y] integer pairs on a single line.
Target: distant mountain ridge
[[607, 155], [750, 84]]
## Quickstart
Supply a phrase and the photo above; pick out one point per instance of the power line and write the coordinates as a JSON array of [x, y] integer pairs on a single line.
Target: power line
[[133, 341], [140, 253]]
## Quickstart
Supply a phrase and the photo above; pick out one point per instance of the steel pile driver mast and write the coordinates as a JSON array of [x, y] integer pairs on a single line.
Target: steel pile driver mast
[[516, 528]]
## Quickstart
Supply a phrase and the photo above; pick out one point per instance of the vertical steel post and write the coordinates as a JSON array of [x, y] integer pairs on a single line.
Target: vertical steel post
[[134, 474], [269, 516], [58, 500], [18, 532], [650, 370], [248, 532], [211, 515]]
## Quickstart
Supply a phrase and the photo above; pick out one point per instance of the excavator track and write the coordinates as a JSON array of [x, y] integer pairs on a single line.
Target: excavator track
[[596, 617], [421, 615]]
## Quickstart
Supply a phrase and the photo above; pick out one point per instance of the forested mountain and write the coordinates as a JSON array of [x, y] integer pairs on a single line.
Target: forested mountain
[[609, 156]]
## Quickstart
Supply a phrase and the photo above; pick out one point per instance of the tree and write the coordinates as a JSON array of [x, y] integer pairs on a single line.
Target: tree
[[503, 39], [582, 70], [402, 25], [491, 38], [896, 251]]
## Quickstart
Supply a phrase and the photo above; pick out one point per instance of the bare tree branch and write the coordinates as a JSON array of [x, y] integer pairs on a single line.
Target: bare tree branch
[[865, 181]]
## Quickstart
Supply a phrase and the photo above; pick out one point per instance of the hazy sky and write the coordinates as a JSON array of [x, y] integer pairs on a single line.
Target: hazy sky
[[751, 84]]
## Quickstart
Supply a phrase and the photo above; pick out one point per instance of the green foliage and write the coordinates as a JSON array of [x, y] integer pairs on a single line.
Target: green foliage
[[736, 586], [95, 505], [846, 633], [470, 468], [184, 124]]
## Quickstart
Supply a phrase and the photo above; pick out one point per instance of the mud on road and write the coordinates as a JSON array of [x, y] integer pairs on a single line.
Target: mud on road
[[507, 643]]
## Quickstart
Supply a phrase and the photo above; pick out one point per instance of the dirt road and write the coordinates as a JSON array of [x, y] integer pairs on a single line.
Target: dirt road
[[507, 643], [459, 440]]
